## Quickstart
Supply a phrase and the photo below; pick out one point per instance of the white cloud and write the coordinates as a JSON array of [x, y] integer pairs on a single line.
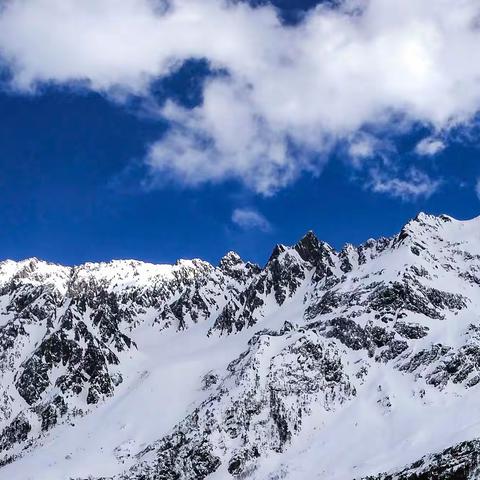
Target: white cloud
[[250, 219], [361, 149], [369, 62], [413, 185], [429, 146]]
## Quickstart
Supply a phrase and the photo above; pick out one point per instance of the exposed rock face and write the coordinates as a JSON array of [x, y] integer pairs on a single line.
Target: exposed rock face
[[295, 347], [266, 394]]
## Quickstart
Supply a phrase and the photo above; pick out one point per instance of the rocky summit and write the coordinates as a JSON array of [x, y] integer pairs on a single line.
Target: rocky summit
[[357, 364]]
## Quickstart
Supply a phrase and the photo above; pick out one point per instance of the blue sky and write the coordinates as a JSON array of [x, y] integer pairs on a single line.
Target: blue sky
[[79, 181]]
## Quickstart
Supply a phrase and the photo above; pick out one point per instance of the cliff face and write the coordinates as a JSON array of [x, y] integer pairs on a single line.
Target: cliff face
[[363, 363]]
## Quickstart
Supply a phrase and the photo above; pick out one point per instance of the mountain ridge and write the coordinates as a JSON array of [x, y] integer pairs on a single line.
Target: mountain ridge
[[421, 216], [254, 369]]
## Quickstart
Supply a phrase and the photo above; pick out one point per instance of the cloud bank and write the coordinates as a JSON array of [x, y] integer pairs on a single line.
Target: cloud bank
[[289, 93]]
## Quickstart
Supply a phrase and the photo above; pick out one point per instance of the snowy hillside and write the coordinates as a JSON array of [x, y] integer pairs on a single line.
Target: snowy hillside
[[358, 364]]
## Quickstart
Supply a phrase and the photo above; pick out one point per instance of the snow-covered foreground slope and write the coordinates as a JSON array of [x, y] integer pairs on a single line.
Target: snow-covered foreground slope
[[357, 364]]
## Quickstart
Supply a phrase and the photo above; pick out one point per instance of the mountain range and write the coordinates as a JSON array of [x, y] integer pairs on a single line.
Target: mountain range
[[356, 364]]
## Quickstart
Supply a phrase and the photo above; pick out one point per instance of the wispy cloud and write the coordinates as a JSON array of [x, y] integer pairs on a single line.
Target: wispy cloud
[[414, 184], [248, 219], [363, 149], [429, 146], [360, 149], [289, 94]]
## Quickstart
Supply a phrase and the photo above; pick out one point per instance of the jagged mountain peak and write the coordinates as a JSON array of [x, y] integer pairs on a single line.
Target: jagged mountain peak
[[276, 252], [429, 222], [429, 233], [230, 259], [33, 270], [313, 250], [310, 236]]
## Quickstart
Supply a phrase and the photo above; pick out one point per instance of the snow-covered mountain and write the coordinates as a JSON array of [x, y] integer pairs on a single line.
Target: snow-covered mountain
[[358, 364]]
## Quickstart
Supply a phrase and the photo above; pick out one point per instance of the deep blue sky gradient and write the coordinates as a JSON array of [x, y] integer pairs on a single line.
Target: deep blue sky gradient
[[71, 185]]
